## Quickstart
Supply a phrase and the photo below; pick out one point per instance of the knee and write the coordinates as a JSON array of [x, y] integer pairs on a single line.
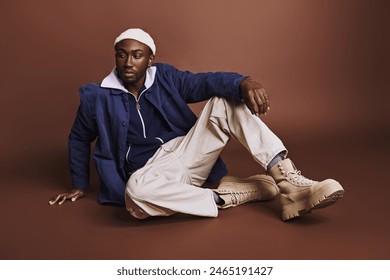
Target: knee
[[137, 190], [225, 102], [217, 102], [134, 209], [225, 107]]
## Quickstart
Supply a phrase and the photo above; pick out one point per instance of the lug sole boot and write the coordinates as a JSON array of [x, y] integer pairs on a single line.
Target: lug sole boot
[[236, 191], [299, 195]]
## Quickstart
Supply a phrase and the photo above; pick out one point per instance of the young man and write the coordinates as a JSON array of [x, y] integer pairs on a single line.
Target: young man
[[152, 153]]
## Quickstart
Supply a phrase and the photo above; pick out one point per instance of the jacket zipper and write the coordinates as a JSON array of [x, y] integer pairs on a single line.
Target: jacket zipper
[[138, 107]]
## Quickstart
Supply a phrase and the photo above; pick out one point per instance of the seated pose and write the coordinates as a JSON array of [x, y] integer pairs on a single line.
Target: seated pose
[[154, 155]]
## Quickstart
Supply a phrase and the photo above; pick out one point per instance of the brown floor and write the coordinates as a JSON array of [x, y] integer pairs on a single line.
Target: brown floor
[[354, 228]]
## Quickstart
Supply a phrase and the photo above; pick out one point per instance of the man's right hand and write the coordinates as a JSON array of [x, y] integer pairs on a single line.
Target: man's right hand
[[72, 196]]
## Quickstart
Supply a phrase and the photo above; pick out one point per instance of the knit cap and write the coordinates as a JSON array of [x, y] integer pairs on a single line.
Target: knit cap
[[139, 35]]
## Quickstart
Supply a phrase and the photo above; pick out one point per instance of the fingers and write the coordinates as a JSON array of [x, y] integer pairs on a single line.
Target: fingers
[[258, 102], [59, 199], [267, 102], [55, 200], [76, 196], [253, 104], [72, 196], [254, 96], [261, 103], [62, 200]]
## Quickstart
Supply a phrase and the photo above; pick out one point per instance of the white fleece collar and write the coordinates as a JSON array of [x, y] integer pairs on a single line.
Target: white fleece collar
[[112, 80]]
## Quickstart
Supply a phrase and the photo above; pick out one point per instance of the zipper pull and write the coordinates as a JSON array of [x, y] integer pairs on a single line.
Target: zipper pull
[[138, 106]]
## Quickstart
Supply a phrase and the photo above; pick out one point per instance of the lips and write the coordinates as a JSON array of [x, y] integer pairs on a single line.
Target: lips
[[129, 74]]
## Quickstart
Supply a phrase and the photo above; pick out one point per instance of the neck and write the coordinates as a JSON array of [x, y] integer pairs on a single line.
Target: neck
[[134, 88]]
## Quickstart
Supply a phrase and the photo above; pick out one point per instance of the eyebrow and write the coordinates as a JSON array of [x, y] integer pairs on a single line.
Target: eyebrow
[[131, 51]]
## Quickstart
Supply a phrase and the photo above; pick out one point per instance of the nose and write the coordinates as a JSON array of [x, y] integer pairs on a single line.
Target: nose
[[129, 61]]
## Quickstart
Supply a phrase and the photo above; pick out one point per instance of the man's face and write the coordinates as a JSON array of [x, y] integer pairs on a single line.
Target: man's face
[[132, 59]]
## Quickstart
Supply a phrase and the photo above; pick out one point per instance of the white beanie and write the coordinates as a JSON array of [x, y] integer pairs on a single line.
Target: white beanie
[[139, 35]]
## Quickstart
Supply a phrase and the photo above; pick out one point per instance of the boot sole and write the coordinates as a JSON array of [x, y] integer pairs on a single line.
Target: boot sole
[[323, 197]]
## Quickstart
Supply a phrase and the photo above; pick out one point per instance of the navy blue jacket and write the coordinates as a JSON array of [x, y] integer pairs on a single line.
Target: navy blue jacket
[[103, 115]]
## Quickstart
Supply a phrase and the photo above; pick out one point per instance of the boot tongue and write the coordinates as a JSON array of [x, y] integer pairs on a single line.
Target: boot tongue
[[288, 165], [279, 170]]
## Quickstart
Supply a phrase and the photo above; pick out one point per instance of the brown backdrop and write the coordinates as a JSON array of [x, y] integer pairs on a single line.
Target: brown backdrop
[[324, 64]]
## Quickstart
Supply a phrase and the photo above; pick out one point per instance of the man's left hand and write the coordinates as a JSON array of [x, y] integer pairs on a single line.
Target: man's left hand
[[254, 96]]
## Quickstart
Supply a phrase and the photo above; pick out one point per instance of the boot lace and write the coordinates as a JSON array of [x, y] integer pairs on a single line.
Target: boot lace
[[242, 197], [297, 178]]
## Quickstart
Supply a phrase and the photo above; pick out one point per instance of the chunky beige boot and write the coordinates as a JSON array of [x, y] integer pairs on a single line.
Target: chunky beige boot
[[235, 191], [299, 195]]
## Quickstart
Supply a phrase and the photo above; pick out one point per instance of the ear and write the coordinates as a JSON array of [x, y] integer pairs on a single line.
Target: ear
[[151, 59]]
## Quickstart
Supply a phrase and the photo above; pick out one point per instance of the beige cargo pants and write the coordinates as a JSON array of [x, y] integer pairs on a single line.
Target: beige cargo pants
[[171, 180]]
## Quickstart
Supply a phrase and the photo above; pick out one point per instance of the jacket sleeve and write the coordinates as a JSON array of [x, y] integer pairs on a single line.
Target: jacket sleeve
[[196, 87], [83, 132]]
